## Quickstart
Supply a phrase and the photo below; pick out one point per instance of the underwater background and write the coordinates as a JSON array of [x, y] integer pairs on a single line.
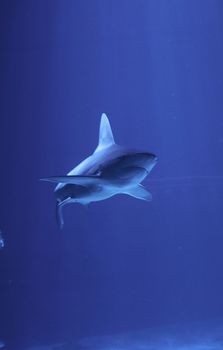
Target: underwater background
[[123, 273]]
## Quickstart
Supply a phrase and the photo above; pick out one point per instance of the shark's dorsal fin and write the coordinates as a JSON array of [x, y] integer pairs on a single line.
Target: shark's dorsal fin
[[106, 138]]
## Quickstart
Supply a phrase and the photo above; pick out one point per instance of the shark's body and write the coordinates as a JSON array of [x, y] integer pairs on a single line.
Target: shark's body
[[110, 170]]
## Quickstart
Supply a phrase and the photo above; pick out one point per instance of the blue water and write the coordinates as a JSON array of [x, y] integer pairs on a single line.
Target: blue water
[[123, 274]]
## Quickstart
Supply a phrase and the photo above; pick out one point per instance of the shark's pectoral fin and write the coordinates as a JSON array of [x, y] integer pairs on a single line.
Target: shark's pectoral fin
[[139, 192], [75, 180]]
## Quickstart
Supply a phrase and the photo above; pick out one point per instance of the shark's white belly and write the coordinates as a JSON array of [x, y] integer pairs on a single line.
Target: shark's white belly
[[102, 192]]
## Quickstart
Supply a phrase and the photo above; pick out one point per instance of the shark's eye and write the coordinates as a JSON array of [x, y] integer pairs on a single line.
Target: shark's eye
[[96, 173]]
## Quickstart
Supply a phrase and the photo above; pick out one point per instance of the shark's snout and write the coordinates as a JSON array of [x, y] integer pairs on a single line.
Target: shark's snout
[[150, 161], [146, 157]]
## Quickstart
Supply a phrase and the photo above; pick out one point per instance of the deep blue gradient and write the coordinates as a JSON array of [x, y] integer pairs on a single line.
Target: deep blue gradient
[[155, 67]]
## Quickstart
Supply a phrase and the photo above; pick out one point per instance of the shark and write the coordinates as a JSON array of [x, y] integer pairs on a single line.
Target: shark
[[109, 171]]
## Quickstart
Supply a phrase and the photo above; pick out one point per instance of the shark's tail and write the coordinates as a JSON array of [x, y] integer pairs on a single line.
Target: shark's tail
[[59, 214]]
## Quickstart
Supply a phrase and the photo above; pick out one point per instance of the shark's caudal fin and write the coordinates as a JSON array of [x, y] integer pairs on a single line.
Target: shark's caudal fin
[[106, 138], [59, 214], [139, 192]]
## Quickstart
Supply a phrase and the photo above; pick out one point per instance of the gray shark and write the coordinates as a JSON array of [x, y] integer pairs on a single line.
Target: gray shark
[[110, 170]]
